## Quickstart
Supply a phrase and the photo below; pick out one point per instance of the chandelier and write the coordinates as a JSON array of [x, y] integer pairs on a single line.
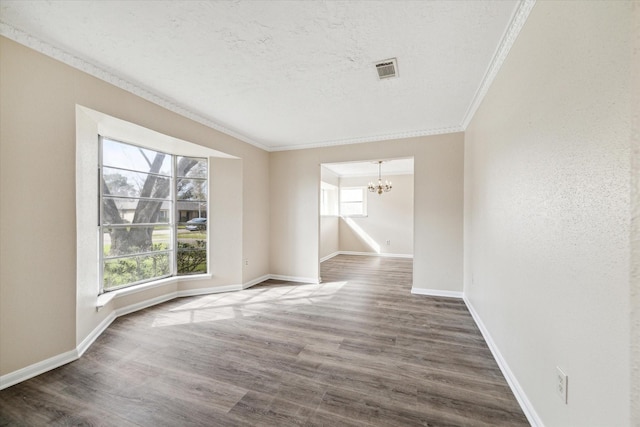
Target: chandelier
[[379, 188]]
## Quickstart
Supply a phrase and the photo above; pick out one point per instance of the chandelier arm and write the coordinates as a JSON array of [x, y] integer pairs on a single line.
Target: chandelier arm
[[380, 188]]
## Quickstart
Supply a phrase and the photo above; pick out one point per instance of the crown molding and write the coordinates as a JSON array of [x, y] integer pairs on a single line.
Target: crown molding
[[517, 22], [510, 36], [362, 140], [375, 175], [86, 66], [82, 64]]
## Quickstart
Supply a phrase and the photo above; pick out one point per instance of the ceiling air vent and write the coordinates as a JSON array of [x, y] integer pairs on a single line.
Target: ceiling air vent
[[387, 68]]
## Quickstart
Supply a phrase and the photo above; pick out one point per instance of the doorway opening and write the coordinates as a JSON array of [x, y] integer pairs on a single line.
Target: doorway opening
[[357, 221]]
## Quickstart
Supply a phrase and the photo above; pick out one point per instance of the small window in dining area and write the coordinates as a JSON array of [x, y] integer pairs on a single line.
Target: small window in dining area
[[353, 201]]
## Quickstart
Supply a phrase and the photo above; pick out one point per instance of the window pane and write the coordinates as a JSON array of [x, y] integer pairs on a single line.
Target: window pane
[[192, 256], [125, 271], [195, 228], [134, 211], [192, 242], [118, 241], [127, 156], [351, 195], [191, 167], [192, 189], [135, 184], [190, 210], [352, 209]]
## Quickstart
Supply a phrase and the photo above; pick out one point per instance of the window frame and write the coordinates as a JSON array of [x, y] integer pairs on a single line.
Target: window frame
[[172, 222], [363, 202]]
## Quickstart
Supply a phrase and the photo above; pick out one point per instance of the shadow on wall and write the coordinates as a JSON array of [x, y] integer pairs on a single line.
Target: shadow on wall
[[351, 231]]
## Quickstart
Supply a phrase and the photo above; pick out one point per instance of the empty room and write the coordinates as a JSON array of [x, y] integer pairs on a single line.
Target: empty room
[[321, 213]]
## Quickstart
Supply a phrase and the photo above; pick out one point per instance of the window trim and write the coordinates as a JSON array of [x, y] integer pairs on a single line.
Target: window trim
[[88, 124], [107, 297]]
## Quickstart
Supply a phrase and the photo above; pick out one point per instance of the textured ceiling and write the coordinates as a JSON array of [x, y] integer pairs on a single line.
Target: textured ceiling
[[284, 74]]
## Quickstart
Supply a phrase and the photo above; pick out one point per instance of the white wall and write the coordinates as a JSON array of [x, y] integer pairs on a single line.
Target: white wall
[[389, 217], [438, 160], [329, 235], [547, 203]]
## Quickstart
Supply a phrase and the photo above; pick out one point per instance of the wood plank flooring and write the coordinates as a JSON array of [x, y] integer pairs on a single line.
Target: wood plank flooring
[[357, 350]]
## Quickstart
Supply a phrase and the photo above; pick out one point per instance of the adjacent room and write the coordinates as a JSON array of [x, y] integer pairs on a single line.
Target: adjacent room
[[324, 213], [354, 217]]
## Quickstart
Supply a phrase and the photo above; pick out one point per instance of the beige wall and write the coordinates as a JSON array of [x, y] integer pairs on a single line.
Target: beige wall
[[547, 211], [39, 306], [329, 235], [546, 259], [438, 162], [37, 210], [389, 217]]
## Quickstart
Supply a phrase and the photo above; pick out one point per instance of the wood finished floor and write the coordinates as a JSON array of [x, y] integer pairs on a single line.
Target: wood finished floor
[[357, 350]]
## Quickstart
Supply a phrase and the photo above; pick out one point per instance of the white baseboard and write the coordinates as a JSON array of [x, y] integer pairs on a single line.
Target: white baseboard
[[323, 259], [254, 282], [56, 361], [207, 291], [36, 369], [375, 254], [145, 304], [294, 279], [436, 293], [93, 335], [518, 392]]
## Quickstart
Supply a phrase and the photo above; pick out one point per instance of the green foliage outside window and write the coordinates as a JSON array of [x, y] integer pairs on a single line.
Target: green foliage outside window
[[192, 258]]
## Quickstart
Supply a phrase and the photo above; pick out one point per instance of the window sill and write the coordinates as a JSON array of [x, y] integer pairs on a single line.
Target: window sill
[[107, 297]]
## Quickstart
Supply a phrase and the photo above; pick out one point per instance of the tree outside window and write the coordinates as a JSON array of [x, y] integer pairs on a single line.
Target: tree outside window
[[145, 195]]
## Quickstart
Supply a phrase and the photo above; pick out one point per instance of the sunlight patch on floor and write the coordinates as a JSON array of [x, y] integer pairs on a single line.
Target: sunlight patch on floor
[[247, 303]]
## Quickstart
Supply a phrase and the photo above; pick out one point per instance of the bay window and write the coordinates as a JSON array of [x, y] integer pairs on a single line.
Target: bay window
[[152, 214]]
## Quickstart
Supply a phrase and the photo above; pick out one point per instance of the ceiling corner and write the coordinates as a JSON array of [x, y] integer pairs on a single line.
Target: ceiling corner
[[511, 34]]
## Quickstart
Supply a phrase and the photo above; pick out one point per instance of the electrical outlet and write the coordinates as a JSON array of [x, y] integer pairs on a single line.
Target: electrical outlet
[[561, 384], [246, 261], [388, 242]]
